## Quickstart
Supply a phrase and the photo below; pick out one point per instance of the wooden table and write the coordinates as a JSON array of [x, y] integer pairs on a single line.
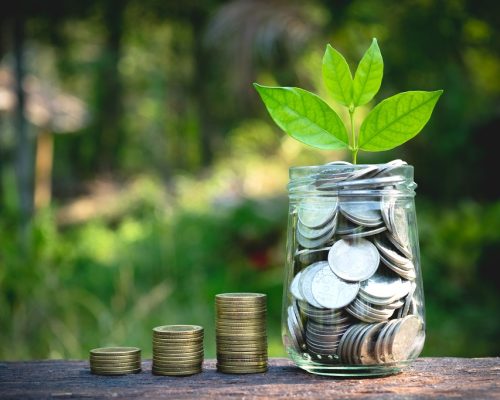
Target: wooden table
[[476, 378]]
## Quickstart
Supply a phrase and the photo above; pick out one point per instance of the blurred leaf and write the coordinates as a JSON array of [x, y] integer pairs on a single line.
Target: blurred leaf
[[396, 120], [304, 116]]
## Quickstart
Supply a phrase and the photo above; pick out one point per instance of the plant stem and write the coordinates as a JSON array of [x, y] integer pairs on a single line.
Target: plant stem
[[353, 136]]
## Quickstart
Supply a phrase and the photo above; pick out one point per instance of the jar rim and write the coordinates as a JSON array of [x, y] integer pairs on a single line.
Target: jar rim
[[342, 166], [391, 177]]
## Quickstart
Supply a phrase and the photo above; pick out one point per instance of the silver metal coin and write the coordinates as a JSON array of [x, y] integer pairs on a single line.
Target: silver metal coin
[[405, 250], [315, 213], [305, 283], [362, 212], [367, 346], [310, 256], [383, 286], [346, 227], [403, 312], [294, 287], [353, 261], [404, 337], [314, 243], [316, 233], [330, 291], [364, 233]]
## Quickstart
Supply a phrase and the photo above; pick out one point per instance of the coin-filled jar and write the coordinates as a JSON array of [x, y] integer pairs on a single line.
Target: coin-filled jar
[[353, 296]]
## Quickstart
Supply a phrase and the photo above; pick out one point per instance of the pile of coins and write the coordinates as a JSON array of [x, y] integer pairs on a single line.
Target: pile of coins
[[353, 289], [384, 342], [115, 360], [177, 350], [241, 333]]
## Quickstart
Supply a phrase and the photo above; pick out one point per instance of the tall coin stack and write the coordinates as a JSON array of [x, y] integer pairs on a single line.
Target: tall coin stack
[[241, 333], [115, 360], [177, 350]]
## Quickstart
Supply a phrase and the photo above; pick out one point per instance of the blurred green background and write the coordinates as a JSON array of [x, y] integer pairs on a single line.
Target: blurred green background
[[141, 175]]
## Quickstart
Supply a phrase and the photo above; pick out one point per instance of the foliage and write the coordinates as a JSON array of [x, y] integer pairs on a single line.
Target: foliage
[[310, 120]]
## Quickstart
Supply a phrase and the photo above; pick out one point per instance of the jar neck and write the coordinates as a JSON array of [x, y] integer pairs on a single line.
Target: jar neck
[[393, 179]]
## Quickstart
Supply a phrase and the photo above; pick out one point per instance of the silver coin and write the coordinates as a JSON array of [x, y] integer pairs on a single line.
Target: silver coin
[[367, 346], [405, 250], [328, 329], [390, 167], [404, 337], [369, 183], [393, 306], [297, 326], [367, 315], [387, 210], [391, 255], [353, 260], [316, 233], [310, 256], [382, 286], [389, 336], [349, 344], [314, 243], [305, 283], [356, 348], [315, 214], [400, 231], [294, 342], [366, 213], [346, 227], [403, 312], [323, 338], [404, 273], [294, 287], [377, 311], [364, 172], [364, 233], [330, 291], [379, 350]]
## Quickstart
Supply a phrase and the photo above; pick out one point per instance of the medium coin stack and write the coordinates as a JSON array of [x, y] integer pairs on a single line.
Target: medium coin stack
[[241, 333], [354, 283], [115, 360], [177, 350]]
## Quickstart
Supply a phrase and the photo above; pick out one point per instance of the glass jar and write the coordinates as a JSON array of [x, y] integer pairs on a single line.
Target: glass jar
[[353, 296]]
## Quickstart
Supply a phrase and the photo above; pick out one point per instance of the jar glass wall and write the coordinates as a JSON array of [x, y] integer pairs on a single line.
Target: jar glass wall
[[353, 296]]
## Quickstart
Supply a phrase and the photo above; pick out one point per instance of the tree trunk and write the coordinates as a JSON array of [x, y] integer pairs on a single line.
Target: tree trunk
[[43, 178], [24, 145], [108, 127]]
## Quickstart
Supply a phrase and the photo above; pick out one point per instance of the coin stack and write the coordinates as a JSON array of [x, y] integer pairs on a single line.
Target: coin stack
[[354, 274], [241, 333], [115, 360], [177, 350]]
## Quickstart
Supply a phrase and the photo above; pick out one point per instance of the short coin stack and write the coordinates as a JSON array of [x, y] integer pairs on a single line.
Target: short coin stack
[[177, 350], [241, 333], [115, 360]]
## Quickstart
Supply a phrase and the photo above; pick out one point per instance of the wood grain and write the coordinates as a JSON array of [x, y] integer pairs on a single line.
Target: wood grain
[[476, 378]]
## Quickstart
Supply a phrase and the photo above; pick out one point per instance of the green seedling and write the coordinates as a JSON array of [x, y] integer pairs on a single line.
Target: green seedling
[[309, 119]]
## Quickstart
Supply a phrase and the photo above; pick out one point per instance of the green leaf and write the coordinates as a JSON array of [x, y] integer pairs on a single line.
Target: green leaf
[[337, 76], [304, 116], [396, 120], [368, 75]]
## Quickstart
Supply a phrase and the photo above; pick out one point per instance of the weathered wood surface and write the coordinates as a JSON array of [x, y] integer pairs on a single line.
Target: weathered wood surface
[[477, 378]]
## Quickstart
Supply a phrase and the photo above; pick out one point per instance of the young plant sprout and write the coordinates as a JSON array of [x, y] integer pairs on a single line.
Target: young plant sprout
[[309, 119]]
